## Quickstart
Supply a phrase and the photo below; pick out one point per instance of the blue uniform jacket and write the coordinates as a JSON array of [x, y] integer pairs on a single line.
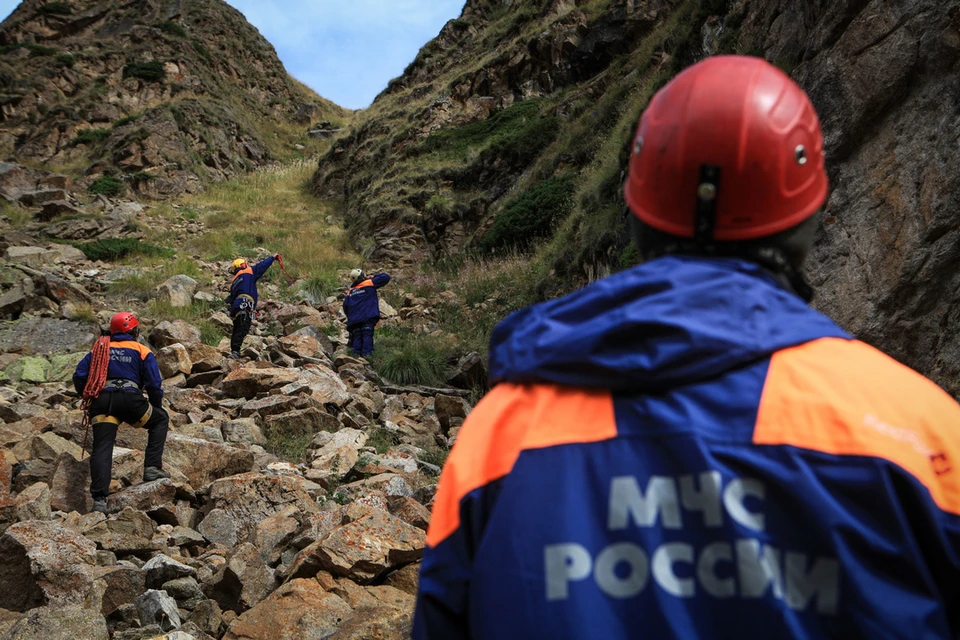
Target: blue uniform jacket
[[686, 450], [361, 303], [129, 360], [245, 283]]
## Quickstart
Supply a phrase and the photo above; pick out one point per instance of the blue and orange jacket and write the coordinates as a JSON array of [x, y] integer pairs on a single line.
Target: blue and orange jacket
[[245, 283], [129, 360], [361, 303], [686, 450]]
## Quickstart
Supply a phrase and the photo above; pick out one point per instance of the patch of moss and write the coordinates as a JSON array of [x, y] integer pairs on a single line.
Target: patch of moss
[[531, 215]]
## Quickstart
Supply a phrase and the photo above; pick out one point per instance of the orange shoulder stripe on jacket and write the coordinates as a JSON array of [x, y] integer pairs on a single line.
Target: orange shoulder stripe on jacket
[[365, 283], [130, 344], [247, 271], [508, 420], [846, 398]]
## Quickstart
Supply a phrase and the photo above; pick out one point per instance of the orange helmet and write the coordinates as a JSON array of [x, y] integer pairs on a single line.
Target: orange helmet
[[729, 150], [123, 322]]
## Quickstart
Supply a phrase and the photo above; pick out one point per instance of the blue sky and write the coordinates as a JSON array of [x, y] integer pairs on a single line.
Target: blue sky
[[345, 50]]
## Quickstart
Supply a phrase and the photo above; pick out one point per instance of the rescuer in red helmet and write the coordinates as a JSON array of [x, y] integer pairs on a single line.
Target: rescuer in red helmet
[[130, 369], [686, 449]]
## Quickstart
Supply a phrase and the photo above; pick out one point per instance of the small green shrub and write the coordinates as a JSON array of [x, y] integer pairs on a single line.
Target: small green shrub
[[531, 215], [143, 176], [66, 60], [107, 186], [436, 457], [37, 50], [54, 9], [381, 439], [172, 28], [322, 285], [149, 71], [439, 205], [125, 120], [202, 50], [210, 333], [404, 357], [91, 136], [116, 248], [288, 445], [499, 130]]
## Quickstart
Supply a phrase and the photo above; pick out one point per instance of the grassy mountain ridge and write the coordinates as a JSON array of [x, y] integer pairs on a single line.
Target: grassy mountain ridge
[[166, 94]]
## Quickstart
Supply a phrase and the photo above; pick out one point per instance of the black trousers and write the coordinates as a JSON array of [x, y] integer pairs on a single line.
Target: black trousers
[[128, 407], [241, 327]]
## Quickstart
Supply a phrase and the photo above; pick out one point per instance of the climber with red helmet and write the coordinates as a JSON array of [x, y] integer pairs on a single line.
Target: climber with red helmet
[[686, 449], [243, 298], [131, 370]]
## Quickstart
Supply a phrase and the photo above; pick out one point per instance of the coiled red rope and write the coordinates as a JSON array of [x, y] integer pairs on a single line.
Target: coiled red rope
[[284, 269], [96, 380]]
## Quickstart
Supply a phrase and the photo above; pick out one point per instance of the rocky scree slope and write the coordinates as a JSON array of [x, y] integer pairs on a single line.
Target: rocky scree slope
[[510, 132], [162, 95], [239, 544]]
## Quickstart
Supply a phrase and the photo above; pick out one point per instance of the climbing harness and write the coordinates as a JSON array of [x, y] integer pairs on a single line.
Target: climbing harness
[[96, 380]]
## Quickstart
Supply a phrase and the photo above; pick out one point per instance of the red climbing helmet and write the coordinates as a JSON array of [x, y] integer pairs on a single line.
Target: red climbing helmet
[[729, 150], [123, 322]]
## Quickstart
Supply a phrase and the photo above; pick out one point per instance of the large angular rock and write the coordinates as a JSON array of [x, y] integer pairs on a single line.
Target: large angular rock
[[122, 585], [450, 408], [268, 406], [470, 373], [177, 291], [249, 498], [246, 382], [33, 503], [186, 591], [205, 358], [143, 497], [363, 548], [44, 563], [274, 533], [208, 618], [202, 461], [126, 532], [301, 422], [59, 623], [299, 610], [30, 256], [161, 568], [300, 346], [243, 431], [322, 384], [168, 333], [339, 451], [186, 401], [173, 360], [243, 581], [219, 527], [45, 446], [157, 607]]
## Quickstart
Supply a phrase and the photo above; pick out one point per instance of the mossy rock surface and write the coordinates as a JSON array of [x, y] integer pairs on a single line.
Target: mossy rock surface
[[31, 369]]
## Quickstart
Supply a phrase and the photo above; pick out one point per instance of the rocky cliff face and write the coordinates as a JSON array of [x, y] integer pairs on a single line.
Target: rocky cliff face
[[444, 160], [163, 94]]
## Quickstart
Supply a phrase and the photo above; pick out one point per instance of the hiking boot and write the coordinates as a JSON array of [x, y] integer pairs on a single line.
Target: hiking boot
[[100, 506], [235, 355], [153, 473]]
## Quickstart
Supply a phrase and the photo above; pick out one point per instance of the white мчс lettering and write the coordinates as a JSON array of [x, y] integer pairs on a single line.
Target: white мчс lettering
[[743, 568]]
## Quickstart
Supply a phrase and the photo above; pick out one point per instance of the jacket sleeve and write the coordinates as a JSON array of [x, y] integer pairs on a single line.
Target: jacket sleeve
[[81, 374], [151, 380], [261, 267], [380, 279], [466, 496]]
